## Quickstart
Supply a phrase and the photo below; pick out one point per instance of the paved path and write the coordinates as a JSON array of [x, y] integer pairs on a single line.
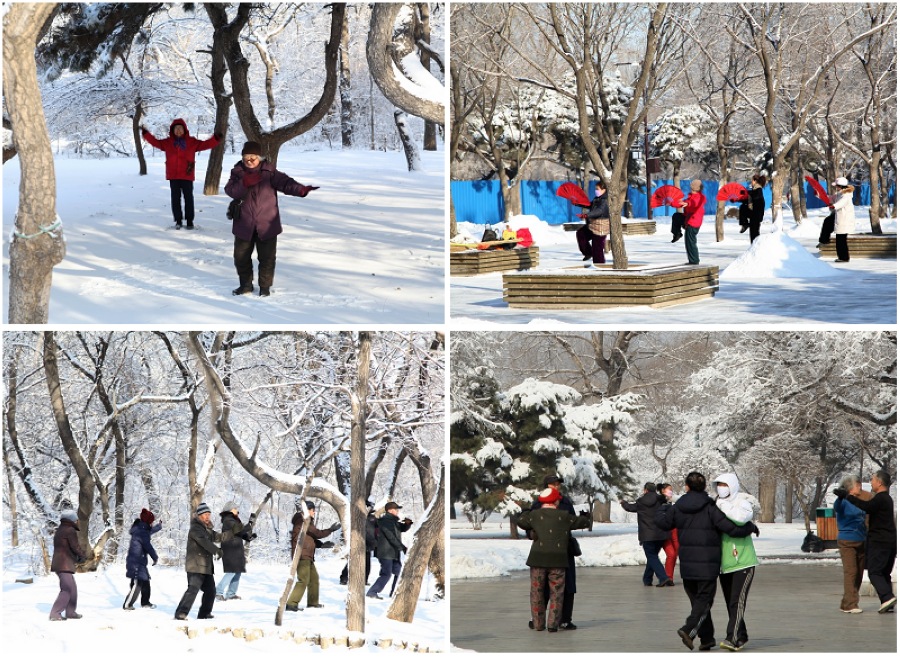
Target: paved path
[[791, 608]]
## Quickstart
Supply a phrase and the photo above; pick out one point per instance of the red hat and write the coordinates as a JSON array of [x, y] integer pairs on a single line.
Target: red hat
[[147, 516], [549, 496]]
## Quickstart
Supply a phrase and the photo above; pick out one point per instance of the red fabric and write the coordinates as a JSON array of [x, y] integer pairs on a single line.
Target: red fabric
[[732, 192], [670, 547], [574, 194], [180, 162], [147, 516], [666, 195], [525, 239], [819, 190], [549, 495], [693, 212]]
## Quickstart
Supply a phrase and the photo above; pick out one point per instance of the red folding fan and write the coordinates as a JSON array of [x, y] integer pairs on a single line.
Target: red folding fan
[[732, 192], [666, 195], [819, 190], [574, 194]]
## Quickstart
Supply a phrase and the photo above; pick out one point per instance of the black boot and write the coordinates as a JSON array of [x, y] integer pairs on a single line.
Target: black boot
[[243, 289], [676, 238], [264, 292]]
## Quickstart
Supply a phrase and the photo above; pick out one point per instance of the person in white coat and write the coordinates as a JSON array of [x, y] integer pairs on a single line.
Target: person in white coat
[[844, 219], [738, 559]]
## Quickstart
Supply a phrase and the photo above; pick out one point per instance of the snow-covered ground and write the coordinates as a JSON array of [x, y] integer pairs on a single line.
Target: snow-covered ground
[[780, 280], [366, 248], [489, 552], [106, 629]]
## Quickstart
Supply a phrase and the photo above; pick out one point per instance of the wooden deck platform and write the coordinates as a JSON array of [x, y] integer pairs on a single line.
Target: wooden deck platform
[[656, 286], [864, 245], [629, 227], [474, 261]]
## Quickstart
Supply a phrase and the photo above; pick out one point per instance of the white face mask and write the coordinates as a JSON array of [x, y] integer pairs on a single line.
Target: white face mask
[[723, 492]]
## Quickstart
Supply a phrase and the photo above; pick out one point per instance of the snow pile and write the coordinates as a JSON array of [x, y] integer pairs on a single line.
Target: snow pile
[[777, 255]]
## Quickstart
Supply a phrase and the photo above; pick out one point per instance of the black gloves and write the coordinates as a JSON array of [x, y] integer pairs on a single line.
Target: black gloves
[[252, 517], [333, 527], [841, 493], [755, 528], [327, 544]]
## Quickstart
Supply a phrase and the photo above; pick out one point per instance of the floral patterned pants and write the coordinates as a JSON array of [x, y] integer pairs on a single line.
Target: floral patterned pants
[[556, 578]]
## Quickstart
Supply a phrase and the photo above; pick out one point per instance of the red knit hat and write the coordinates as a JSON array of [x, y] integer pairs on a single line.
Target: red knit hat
[[549, 496], [147, 516]]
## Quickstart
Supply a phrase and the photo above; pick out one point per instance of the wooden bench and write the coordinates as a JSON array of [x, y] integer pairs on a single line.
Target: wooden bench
[[864, 245], [656, 286], [475, 261], [629, 227]]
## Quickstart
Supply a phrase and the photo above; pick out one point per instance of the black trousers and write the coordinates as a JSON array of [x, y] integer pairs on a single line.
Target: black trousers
[[827, 229], [880, 558], [735, 589], [198, 582], [699, 623], [181, 188], [141, 587], [840, 245], [345, 573], [754, 230], [265, 254]]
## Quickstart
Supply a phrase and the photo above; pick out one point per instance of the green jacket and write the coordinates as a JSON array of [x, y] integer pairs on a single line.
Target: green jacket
[[550, 548], [738, 553]]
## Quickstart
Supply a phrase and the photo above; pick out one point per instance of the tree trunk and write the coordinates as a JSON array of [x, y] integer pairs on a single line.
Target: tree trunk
[[512, 198], [875, 210], [796, 190], [722, 139], [403, 607], [345, 88], [218, 69], [13, 520], [602, 511], [788, 502], [356, 602], [513, 529], [138, 142], [453, 228], [37, 243], [423, 33], [410, 149], [767, 488]]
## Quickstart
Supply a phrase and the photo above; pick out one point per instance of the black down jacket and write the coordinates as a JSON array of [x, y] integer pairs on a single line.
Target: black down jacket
[[700, 526]]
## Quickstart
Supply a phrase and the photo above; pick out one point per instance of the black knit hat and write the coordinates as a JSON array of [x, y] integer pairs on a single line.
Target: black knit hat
[[202, 508], [252, 148]]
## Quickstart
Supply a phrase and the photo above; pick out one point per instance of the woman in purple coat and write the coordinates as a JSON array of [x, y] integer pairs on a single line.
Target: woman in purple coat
[[66, 554], [255, 182]]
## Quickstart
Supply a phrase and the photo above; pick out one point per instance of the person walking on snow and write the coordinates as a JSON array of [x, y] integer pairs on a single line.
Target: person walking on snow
[[390, 547], [693, 207], [181, 149], [255, 182], [307, 575], [738, 559], [66, 554], [136, 562], [234, 561], [700, 524], [650, 536]]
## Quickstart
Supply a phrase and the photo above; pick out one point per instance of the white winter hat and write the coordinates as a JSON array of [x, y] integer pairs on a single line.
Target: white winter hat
[[843, 182], [69, 515]]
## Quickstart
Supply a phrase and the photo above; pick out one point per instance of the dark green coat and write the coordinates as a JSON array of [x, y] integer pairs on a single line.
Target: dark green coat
[[201, 549], [390, 545], [551, 526]]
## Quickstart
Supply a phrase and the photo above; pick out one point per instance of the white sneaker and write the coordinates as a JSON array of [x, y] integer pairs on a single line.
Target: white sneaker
[[852, 611], [888, 605]]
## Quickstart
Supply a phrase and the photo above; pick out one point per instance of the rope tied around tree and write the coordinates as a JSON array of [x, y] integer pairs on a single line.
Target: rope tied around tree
[[41, 230]]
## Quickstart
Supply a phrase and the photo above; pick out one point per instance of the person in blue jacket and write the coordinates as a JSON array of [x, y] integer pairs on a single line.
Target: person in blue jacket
[[851, 523], [136, 561]]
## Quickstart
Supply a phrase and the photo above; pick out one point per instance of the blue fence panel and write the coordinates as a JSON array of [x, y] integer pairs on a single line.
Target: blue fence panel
[[539, 198], [479, 202]]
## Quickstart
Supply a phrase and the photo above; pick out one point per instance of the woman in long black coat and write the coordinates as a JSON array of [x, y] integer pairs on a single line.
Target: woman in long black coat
[[753, 208], [234, 560]]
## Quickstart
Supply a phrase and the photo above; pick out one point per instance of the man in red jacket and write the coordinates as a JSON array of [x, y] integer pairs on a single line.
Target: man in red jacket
[[692, 208], [180, 149]]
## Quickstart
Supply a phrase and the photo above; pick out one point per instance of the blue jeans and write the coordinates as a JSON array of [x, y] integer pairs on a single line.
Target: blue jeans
[[654, 565], [388, 568], [230, 581]]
